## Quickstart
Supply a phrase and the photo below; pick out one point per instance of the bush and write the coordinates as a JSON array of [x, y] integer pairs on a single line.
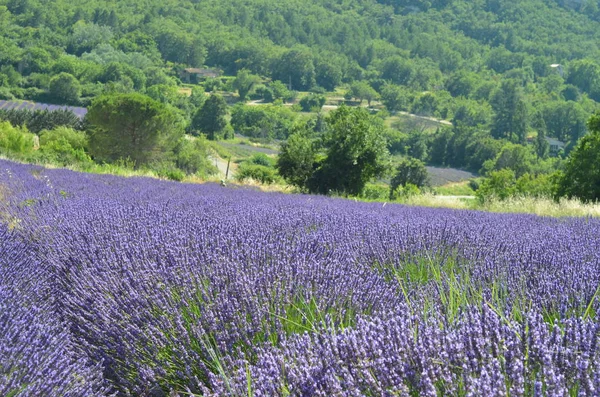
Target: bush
[[260, 173], [404, 192], [375, 192], [192, 157], [64, 146], [168, 171], [15, 140], [261, 159], [76, 139], [503, 184]]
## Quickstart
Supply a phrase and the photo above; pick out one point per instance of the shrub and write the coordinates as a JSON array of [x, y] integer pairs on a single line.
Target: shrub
[[261, 159], [192, 157], [15, 140], [260, 173]]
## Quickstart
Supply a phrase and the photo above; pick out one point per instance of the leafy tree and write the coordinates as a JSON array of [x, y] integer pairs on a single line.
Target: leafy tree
[[498, 185], [86, 36], [542, 146], [265, 122], [395, 97], [312, 102], [65, 88], [211, 117], [511, 115], [397, 70], [280, 90], [362, 90], [296, 68], [244, 83], [581, 177], [518, 158], [131, 126], [409, 171], [296, 162], [355, 152], [328, 75]]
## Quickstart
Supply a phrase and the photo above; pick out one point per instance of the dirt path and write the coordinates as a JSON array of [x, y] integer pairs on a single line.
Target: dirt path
[[221, 165]]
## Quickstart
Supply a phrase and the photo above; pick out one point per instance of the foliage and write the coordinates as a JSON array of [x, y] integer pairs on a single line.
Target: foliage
[[355, 152], [361, 90], [131, 126], [244, 83], [297, 159], [39, 120], [15, 139], [192, 157], [263, 174], [312, 102], [409, 171], [65, 88], [210, 118], [63, 146], [581, 177], [265, 122], [503, 184]]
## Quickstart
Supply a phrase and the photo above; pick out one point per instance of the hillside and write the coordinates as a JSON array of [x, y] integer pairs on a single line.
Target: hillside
[[478, 86]]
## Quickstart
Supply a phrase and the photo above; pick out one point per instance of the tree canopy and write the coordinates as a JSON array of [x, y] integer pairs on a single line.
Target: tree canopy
[[581, 177], [133, 127]]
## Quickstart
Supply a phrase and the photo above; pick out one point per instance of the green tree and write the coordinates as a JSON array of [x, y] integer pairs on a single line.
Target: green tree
[[297, 159], [395, 98], [355, 153], [511, 116], [244, 83], [409, 171], [211, 117], [296, 68], [362, 90], [132, 126], [312, 102], [499, 184], [581, 177], [542, 146], [65, 88]]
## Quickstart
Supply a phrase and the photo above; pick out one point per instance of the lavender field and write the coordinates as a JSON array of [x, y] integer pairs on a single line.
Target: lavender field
[[137, 287]]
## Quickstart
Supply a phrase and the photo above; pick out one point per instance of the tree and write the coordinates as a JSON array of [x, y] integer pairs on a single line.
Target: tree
[[395, 97], [362, 90], [132, 126], [210, 118], [511, 117], [297, 159], [296, 68], [409, 171], [541, 144], [581, 177], [244, 83], [312, 102], [65, 88], [356, 152]]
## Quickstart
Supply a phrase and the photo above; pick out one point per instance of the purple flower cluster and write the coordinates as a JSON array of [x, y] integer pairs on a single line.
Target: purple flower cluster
[[132, 286]]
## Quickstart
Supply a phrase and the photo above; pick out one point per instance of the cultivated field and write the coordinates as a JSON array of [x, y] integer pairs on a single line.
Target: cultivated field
[[132, 286]]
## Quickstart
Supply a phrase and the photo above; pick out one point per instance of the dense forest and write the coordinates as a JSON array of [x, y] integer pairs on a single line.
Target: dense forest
[[508, 75]]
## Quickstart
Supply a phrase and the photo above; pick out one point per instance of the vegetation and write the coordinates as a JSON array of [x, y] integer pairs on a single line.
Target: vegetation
[[581, 177], [133, 127], [477, 86]]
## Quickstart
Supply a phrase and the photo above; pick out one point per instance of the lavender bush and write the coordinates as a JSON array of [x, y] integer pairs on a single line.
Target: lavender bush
[[131, 286]]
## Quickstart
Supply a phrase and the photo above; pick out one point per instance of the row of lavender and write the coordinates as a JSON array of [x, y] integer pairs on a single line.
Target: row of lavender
[[137, 287]]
